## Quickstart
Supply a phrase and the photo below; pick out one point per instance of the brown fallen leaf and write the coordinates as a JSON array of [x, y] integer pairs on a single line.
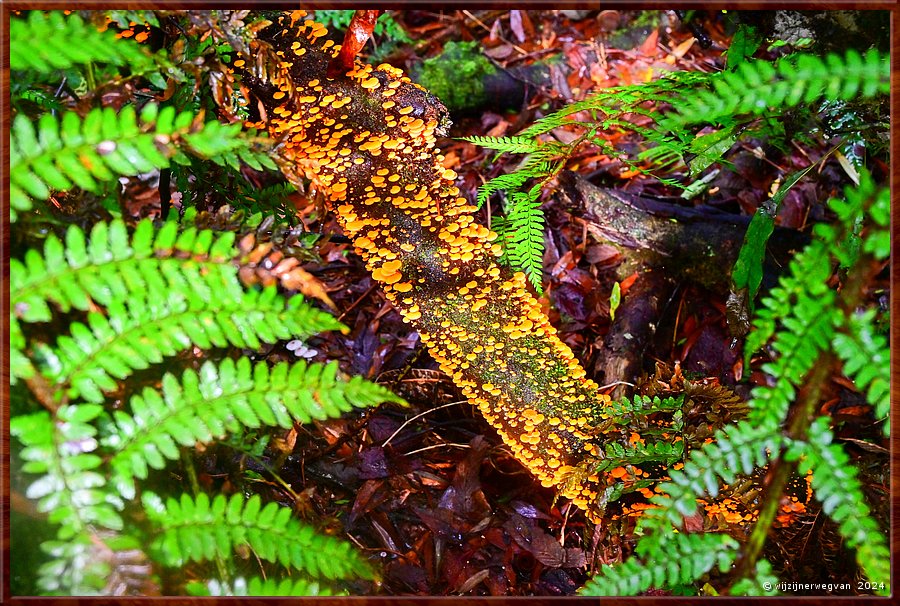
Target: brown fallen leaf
[[357, 35], [310, 286]]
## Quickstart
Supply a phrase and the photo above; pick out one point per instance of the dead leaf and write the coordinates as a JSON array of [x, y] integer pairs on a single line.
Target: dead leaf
[[310, 286], [682, 48], [648, 48], [515, 24], [541, 545]]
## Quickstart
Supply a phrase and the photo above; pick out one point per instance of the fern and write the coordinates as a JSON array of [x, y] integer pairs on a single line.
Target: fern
[[109, 265], [90, 152], [803, 319], [61, 450], [678, 560], [731, 99], [262, 587], [840, 492], [757, 86], [44, 42], [154, 308], [526, 239], [512, 145], [135, 335], [160, 291], [200, 529], [226, 398], [764, 582], [866, 357]]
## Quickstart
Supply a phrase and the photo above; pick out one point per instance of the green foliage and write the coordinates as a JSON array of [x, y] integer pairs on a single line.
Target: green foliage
[[60, 449], [867, 356], [757, 87], [262, 587], [226, 398], [732, 100], [90, 152], [196, 529], [840, 492], [525, 235], [746, 276], [148, 296], [744, 43], [43, 42], [764, 582], [803, 318], [679, 560]]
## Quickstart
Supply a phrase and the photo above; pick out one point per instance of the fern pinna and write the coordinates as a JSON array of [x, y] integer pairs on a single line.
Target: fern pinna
[[89, 152], [149, 295]]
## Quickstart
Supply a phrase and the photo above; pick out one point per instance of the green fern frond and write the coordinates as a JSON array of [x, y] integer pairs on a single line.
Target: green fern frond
[[91, 152], [805, 306], [514, 180], [258, 587], [762, 583], [45, 41], [867, 361], [610, 104], [679, 560], [142, 332], [110, 265], [224, 399], [513, 145], [660, 452], [757, 86], [197, 529], [163, 292], [625, 410], [736, 450], [526, 240], [60, 449], [836, 486]]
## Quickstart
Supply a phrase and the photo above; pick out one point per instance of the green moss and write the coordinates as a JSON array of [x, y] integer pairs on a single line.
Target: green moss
[[457, 75]]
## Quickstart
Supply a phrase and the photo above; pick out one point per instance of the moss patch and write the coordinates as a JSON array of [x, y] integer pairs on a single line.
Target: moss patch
[[457, 75]]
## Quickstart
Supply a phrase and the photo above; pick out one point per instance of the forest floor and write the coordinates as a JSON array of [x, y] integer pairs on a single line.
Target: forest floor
[[430, 491]]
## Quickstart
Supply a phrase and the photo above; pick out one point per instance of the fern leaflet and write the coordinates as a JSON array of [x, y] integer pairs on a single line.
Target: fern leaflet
[[526, 240], [840, 492], [72, 490], [91, 152], [197, 529], [262, 588], [226, 398], [44, 42], [757, 86]]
